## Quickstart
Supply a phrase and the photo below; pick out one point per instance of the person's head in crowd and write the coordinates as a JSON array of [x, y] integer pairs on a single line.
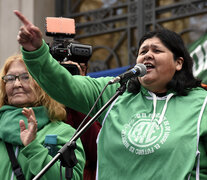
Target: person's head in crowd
[[164, 51], [19, 89]]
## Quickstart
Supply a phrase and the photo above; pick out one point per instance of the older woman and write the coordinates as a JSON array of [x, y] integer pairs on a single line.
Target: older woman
[[157, 129], [27, 115]]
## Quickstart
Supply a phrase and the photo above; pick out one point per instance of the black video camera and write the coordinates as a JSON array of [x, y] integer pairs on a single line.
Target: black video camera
[[64, 48]]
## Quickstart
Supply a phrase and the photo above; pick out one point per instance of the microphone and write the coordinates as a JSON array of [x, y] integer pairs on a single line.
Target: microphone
[[138, 70]]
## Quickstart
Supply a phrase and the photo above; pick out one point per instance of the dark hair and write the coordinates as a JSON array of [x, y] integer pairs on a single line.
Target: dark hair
[[182, 80]]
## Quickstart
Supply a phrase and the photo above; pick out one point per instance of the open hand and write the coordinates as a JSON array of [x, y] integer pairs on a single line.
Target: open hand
[[28, 135]]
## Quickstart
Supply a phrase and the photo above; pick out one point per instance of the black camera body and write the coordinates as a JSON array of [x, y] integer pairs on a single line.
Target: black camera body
[[64, 48]]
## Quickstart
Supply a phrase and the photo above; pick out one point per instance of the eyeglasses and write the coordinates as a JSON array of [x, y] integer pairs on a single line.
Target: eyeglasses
[[10, 78]]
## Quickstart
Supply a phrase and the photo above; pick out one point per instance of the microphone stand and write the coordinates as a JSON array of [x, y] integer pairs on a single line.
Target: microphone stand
[[66, 154]]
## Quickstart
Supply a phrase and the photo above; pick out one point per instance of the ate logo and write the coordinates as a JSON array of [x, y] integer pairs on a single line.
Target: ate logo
[[144, 136]]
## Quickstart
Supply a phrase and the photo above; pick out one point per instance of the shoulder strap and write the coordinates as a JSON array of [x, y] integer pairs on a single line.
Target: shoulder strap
[[15, 165]]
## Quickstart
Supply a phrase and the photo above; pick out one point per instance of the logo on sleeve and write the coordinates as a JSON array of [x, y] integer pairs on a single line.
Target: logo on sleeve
[[144, 136]]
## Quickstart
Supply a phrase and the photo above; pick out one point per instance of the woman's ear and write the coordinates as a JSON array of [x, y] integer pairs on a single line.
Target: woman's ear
[[179, 63]]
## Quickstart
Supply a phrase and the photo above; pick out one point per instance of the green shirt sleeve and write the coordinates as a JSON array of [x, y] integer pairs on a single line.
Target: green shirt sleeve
[[35, 157], [77, 92]]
